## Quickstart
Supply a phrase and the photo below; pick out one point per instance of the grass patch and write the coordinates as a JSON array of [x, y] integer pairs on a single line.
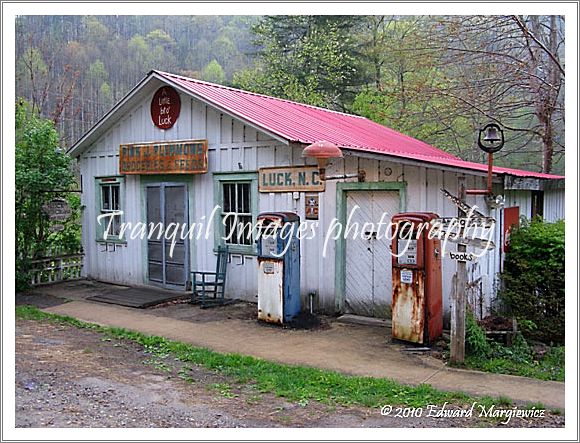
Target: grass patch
[[295, 383], [542, 370], [184, 374], [517, 359], [224, 389]]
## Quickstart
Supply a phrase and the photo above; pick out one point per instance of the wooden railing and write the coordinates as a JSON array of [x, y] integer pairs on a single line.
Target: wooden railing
[[56, 268]]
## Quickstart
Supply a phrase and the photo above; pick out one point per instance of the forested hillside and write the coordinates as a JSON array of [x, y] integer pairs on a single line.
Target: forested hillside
[[74, 68], [435, 78]]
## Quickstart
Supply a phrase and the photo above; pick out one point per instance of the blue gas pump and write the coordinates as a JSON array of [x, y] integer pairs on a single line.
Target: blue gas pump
[[279, 267]]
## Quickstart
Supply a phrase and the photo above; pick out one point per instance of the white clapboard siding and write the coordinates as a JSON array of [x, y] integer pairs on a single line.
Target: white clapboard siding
[[554, 205], [522, 199]]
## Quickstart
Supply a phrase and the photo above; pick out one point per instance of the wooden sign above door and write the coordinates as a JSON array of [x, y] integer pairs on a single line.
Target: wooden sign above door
[[182, 157]]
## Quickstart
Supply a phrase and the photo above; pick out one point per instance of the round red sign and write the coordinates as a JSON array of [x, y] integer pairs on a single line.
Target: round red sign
[[165, 107]]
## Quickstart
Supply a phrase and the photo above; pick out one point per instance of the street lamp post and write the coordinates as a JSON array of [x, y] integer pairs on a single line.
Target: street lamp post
[[492, 141]]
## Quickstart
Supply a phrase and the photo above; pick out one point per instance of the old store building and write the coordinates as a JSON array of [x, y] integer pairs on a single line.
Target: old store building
[[219, 139]]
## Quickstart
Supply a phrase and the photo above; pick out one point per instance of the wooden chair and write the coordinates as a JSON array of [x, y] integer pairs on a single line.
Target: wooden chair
[[208, 287]]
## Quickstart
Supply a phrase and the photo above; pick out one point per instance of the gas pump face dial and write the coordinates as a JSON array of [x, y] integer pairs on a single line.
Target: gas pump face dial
[[270, 246], [409, 257]]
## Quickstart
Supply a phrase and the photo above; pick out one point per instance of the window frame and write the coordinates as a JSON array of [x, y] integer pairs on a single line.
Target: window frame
[[221, 178], [100, 183], [537, 204]]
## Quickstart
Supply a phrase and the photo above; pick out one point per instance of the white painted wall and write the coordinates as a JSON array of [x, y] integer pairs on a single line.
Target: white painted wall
[[520, 198], [554, 205]]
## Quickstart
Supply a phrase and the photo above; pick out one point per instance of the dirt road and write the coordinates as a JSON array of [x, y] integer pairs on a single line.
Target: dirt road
[[68, 377]]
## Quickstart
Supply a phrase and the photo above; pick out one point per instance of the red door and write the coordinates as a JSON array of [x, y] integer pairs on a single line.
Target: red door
[[511, 217]]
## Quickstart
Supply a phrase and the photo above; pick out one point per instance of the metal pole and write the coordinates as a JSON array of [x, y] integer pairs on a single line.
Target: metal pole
[[489, 172], [457, 354], [488, 190]]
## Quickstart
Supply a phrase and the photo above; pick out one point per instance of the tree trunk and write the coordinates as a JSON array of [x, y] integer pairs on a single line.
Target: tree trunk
[[548, 149]]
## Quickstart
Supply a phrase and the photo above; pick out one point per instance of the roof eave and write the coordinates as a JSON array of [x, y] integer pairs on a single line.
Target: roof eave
[[409, 161], [441, 165]]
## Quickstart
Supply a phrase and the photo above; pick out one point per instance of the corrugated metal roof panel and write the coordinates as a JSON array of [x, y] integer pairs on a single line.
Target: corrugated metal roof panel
[[297, 122]]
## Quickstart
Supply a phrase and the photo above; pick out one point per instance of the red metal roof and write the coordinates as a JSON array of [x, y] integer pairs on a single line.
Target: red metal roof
[[297, 122]]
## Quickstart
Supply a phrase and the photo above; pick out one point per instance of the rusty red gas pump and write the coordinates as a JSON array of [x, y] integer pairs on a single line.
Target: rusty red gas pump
[[417, 306]]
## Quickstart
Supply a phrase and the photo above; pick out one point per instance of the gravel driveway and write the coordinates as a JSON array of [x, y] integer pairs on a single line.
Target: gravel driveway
[[68, 377]]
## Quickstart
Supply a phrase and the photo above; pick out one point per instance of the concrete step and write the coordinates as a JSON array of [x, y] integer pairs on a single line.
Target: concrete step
[[362, 320]]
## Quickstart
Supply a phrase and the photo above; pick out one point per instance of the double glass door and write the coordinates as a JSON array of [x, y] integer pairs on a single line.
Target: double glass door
[[167, 264]]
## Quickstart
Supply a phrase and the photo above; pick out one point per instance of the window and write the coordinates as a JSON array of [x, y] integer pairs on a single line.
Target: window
[[109, 202], [236, 194], [537, 204], [237, 213]]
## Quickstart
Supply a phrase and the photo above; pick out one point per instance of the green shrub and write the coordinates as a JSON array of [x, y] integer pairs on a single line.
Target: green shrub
[[533, 279], [517, 359], [476, 343], [41, 169]]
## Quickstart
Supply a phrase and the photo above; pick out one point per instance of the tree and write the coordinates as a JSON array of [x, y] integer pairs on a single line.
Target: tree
[[95, 29], [402, 89], [440, 79], [161, 50], [158, 37], [305, 58], [546, 75], [40, 167], [54, 53], [508, 69], [98, 77], [139, 57], [213, 72], [32, 70], [222, 49]]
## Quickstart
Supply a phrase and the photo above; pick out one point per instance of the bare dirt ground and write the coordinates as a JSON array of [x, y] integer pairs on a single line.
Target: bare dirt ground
[[68, 377]]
